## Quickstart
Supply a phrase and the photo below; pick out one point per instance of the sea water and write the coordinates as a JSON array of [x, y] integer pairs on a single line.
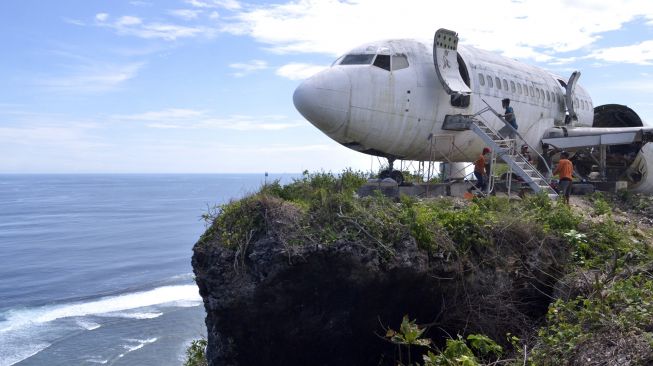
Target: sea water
[[95, 269]]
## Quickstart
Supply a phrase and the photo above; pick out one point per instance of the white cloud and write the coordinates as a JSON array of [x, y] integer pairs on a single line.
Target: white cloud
[[140, 3], [643, 85], [299, 71], [227, 4], [166, 115], [127, 20], [275, 148], [73, 21], [134, 26], [214, 15], [101, 17], [529, 29], [247, 68], [92, 77], [185, 14], [641, 53], [180, 118]]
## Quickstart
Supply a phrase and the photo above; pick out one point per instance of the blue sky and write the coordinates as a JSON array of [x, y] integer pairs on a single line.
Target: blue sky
[[205, 86]]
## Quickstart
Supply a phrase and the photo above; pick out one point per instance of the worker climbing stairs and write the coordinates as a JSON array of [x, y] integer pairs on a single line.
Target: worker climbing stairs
[[505, 149]]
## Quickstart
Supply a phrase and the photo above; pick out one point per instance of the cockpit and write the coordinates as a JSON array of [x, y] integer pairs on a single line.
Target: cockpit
[[381, 59]]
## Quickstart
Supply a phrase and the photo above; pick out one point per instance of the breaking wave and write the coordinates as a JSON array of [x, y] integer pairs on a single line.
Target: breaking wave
[[22, 331]]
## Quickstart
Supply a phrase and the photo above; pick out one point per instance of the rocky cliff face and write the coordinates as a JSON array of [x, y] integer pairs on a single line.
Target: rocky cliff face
[[269, 303]]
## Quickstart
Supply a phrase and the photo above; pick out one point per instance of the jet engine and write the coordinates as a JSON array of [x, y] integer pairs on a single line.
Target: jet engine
[[629, 162]]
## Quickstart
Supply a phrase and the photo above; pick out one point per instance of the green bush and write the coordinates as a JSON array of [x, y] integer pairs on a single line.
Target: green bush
[[195, 353], [624, 305]]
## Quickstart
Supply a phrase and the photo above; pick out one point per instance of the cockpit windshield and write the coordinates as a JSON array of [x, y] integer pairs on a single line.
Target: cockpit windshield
[[383, 61], [357, 59]]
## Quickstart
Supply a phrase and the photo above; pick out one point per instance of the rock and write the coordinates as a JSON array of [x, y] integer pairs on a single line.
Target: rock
[[329, 304]]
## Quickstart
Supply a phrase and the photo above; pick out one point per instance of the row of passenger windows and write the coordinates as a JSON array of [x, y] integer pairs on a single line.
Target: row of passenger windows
[[523, 89], [386, 62]]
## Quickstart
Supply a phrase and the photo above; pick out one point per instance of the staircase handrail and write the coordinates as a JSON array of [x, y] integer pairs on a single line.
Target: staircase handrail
[[530, 148]]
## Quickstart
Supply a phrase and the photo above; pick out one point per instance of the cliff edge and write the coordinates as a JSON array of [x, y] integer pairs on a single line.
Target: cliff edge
[[309, 274]]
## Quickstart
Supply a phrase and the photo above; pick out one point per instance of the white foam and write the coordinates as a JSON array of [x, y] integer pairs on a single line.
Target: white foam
[[97, 360], [187, 303], [13, 354], [140, 344], [88, 325], [136, 315], [22, 330], [111, 304]]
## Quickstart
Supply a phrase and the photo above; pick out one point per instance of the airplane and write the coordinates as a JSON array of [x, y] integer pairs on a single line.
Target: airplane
[[413, 100]]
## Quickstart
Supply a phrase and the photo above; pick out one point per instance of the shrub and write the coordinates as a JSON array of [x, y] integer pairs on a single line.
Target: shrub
[[195, 353], [623, 306]]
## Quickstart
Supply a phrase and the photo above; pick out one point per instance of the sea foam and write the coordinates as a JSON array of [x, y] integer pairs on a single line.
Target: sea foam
[[22, 330], [106, 305]]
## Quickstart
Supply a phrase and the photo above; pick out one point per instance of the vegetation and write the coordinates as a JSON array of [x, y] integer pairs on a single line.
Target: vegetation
[[606, 293], [473, 350], [195, 353]]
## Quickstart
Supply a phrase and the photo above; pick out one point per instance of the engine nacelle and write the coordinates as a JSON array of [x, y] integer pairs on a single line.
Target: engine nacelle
[[615, 115], [638, 172]]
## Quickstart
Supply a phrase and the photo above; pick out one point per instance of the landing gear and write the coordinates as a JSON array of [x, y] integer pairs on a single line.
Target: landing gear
[[391, 173]]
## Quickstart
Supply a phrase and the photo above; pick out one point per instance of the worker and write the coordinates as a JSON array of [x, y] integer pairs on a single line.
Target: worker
[[480, 170], [565, 170], [526, 154], [509, 116]]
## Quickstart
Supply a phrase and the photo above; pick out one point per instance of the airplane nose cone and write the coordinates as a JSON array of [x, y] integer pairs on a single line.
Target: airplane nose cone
[[323, 99]]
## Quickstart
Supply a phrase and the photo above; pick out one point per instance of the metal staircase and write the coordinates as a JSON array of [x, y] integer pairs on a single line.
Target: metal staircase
[[505, 148]]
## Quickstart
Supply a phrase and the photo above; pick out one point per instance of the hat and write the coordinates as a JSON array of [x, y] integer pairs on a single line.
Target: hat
[[486, 150]]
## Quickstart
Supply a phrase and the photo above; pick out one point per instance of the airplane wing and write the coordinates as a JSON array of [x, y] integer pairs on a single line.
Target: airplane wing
[[568, 138]]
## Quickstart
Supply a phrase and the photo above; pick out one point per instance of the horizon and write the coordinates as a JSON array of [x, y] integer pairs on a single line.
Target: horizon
[[205, 86]]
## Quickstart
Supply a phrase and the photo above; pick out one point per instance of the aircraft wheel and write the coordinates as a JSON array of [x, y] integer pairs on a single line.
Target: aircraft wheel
[[397, 176]]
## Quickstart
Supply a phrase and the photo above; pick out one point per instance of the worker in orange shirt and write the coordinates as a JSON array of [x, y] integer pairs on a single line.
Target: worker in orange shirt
[[565, 169], [480, 171]]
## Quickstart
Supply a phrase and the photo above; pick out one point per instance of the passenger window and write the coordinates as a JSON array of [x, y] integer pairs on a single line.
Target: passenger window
[[548, 96], [365, 59], [519, 90], [399, 62], [512, 86], [382, 61], [481, 79], [537, 91], [489, 82], [498, 82], [505, 85]]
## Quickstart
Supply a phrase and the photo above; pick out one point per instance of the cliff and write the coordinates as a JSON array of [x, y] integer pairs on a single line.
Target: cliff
[[308, 274]]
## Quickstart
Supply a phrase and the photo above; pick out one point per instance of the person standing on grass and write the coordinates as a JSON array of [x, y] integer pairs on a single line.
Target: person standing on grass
[[565, 170]]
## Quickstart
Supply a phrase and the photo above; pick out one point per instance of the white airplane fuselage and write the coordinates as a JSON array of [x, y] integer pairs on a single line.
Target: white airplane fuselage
[[387, 99], [392, 112]]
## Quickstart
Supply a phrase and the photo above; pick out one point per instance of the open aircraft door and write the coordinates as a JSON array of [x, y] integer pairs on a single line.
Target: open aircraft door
[[570, 95], [445, 58]]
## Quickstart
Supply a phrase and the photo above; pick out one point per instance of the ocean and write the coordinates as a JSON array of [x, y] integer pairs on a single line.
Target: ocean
[[95, 269]]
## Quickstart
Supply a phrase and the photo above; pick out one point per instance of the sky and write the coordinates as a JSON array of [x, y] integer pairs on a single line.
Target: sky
[[205, 86]]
